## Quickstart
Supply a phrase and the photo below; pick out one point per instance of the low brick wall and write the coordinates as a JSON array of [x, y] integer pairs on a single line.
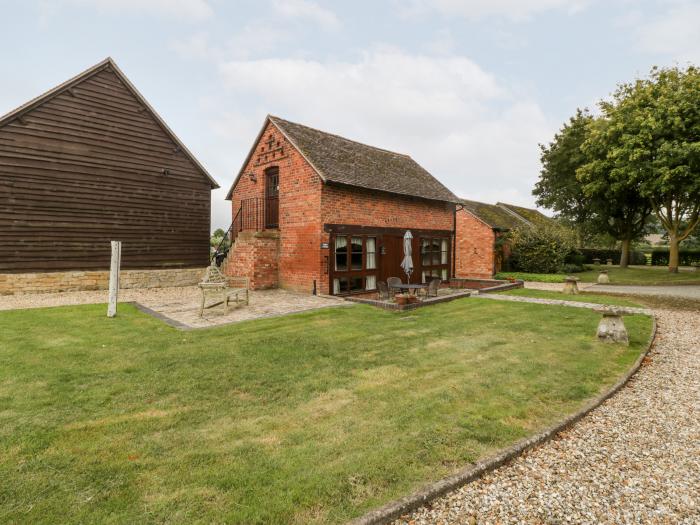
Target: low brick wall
[[12, 283], [255, 255], [484, 285]]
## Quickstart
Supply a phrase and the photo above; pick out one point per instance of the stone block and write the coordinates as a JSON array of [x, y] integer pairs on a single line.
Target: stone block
[[611, 328]]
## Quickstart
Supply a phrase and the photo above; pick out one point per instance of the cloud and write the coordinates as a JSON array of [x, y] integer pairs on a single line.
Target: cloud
[[447, 112], [185, 9], [305, 9], [675, 33], [515, 10]]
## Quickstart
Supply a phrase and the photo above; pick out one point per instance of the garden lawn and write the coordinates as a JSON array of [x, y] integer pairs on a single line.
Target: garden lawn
[[309, 418], [637, 275], [583, 297]]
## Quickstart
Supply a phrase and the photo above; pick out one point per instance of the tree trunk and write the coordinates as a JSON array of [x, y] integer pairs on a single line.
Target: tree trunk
[[672, 253], [625, 254]]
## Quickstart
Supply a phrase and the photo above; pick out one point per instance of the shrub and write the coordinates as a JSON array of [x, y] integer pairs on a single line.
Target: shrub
[[572, 268], [636, 256], [688, 257], [542, 249]]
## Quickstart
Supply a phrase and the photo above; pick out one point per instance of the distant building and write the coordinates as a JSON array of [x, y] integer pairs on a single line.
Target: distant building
[[479, 226]]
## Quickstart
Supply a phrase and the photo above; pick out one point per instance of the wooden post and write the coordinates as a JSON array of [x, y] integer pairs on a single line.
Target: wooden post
[[114, 278]]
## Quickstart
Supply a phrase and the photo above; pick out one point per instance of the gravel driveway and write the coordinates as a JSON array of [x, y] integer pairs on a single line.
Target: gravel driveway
[[635, 459], [691, 291]]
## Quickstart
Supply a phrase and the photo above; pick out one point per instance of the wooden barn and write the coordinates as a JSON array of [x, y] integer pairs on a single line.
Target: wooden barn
[[88, 162]]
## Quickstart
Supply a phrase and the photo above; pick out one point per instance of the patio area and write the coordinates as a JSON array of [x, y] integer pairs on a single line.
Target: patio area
[[179, 307], [455, 288]]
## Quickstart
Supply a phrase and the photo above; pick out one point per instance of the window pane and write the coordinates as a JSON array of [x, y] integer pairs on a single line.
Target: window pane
[[341, 254], [336, 286], [371, 259], [356, 284], [356, 253], [371, 282], [436, 258], [342, 284], [341, 261], [443, 258], [423, 277], [425, 252], [443, 275]]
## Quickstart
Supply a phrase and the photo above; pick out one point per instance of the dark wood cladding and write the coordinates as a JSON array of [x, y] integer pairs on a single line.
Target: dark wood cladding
[[92, 164]]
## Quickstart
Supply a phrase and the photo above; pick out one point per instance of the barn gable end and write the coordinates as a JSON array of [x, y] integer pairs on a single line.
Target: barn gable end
[[88, 162]]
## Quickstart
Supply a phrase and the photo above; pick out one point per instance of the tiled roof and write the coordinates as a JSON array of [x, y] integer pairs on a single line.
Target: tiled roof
[[493, 215], [533, 216], [343, 161]]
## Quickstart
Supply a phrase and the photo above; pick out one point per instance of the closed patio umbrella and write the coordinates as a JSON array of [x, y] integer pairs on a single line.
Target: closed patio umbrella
[[407, 263]]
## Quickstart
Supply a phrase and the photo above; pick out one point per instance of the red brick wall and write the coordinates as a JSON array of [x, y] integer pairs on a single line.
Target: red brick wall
[[475, 247], [255, 256], [348, 205], [299, 207]]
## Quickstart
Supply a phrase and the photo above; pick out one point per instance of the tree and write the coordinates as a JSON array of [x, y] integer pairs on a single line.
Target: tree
[[594, 204], [558, 188], [654, 134], [614, 198]]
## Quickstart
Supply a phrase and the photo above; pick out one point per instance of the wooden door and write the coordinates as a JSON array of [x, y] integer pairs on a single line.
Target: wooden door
[[391, 258], [272, 193]]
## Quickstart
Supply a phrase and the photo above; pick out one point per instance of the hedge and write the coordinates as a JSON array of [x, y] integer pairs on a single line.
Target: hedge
[[687, 257], [636, 256]]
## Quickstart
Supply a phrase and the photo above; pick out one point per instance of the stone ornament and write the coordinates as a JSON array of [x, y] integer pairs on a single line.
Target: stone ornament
[[603, 277], [570, 285], [611, 328]]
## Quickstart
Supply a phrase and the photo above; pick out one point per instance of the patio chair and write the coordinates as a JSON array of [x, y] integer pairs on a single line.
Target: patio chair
[[433, 287], [383, 290], [392, 283], [223, 289]]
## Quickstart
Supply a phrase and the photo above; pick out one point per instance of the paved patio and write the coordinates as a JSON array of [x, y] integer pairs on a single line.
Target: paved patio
[[180, 306]]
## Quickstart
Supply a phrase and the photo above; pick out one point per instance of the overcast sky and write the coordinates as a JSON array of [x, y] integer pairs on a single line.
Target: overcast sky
[[467, 88]]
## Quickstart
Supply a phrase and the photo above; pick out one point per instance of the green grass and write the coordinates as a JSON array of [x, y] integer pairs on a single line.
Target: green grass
[[310, 418], [584, 297], [638, 275]]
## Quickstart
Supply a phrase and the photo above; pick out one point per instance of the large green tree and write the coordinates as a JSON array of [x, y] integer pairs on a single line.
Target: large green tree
[[652, 135], [593, 203], [615, 200], [558, 189]]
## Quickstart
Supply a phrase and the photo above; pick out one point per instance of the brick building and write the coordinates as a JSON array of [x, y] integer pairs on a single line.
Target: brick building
[[479, 226], [317, 212]]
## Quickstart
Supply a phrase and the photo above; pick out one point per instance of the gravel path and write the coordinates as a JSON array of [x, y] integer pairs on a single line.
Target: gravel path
[[634, 459], [681, 291]]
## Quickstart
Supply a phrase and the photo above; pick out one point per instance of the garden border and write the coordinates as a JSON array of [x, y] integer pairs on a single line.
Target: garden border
[[395, 509]]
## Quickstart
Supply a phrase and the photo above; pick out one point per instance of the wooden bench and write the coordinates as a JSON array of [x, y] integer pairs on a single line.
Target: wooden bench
[[222, 289]]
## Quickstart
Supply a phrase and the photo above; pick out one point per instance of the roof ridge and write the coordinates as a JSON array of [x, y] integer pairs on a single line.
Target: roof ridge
[[14, 113], [505, 207], [273, 117]]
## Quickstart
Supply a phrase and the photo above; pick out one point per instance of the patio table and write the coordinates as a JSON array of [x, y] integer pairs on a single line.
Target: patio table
[[410, 287]]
